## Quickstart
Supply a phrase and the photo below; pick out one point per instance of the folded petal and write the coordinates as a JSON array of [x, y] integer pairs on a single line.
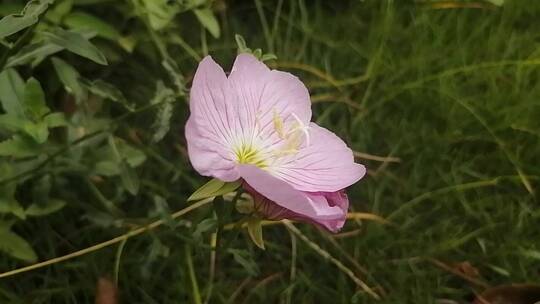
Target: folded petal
[[325, 164], [272, 211], [211, 125], [267, 208], [311, 206], [339, 199]]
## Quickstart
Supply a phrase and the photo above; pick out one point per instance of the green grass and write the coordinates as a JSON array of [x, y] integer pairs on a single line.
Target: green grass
[[454, 93]]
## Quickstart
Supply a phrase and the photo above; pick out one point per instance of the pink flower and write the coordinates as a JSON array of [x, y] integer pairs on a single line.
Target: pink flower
[[255, 125]]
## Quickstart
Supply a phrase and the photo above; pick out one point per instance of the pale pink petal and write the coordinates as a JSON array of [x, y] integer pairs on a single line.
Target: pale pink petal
[[267, 208], [340, 199], [208, 158], [210, 130], [325, 165], [270, 210], [311, 206], [265, 93]]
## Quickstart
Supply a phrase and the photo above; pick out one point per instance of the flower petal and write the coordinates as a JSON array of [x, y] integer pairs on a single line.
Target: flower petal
[[339, 199], [273, 211], [311, 206], [326, 165], [265, 93], [211, 125], [207, 157]]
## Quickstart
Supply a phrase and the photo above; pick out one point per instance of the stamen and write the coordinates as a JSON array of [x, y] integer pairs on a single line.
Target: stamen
[[292, 140], [301, 127], [247, 154], [278, 124]]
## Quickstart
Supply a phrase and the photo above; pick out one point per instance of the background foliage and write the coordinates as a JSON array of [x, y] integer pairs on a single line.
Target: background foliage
[[94, 100]]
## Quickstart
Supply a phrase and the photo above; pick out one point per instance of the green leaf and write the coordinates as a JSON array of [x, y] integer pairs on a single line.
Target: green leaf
[[133, 156], [102, 219], [11, 122], [108, 159], [11, 205], [7, 224], [245, 259], [10, 8], [6, 169], [11, 24], [39, 131], [158, 249], [268, 56], [8, 202], [59, 11], [51, 206], [242, 48], [18, 147], [208, 20], [35, 53], [41, 189], [70, 78], [34, 100], [496, 2], [55, 120], [499, 270], [107, 91], [81, 20], [160, 12], [530, 253], [195, 3], [255, 231], [161, 124], [213, 188], [163, 211], [130, 179], [107, 168], [204, 226], [16, 246], [12, 88], [241, 44], [128, 43], [257, 53], [175, 74], [76, 43]]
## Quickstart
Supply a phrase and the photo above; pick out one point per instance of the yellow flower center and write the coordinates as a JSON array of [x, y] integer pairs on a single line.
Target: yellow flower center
[[291, 138], [247, 154]]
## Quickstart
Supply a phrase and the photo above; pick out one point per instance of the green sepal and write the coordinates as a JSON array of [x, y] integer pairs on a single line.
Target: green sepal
[[213, 188], [255, 231]]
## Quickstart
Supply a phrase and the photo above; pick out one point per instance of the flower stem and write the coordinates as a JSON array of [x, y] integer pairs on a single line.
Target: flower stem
[[118, 259], [108, 243], [192, 276], [329, 257]]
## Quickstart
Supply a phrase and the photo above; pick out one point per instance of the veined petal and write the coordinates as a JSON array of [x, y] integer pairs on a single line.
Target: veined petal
[[211, 125], [284, 195], [265, 94], [207, 157], [326, 165], [255, 125]]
